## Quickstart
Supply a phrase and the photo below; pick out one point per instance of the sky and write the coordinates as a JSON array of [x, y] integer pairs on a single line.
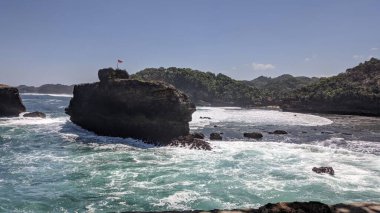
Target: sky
[[68, 41]]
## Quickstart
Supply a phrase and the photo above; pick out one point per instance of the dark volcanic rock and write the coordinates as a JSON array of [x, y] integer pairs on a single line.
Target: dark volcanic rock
[[108, 74], [279, 132], [198, 135], [10, 101], [255, 135], [215, 136], [328, 170], [151, 111], [191, 142], [295, 207], [35, 114]]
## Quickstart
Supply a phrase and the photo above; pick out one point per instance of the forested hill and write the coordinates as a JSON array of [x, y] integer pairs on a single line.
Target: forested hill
[[356, 91], [206, 88], [284, 82], [47, 89]]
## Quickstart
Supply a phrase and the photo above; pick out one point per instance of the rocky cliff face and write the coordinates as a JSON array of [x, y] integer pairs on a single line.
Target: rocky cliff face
[[10, 101], [118, 106]]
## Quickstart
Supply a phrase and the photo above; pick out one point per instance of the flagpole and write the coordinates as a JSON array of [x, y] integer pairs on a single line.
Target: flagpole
[[117, 65]]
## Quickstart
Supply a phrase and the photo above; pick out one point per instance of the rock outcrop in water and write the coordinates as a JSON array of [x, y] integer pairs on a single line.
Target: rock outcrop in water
[[123, 107], [10, 101], [327, 170], [35, 115]]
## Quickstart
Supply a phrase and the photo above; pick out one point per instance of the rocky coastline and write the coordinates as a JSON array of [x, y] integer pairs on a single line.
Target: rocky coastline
[[298, 207], [10, 101]]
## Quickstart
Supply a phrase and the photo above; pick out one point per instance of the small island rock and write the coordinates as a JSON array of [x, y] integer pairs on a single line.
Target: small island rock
[[215, 136], [328, 170], [279, 132], [255, 135], [35, 115], [10, 101]]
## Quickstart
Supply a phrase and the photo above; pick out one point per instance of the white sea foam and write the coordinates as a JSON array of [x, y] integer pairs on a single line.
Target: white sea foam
[[43, 94], [353, 145], [179, 200], [255, 117], [20, 121]]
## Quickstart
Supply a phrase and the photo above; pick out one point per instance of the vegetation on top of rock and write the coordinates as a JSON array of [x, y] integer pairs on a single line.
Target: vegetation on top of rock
[[356, 91], [205, 88], [107, 74]]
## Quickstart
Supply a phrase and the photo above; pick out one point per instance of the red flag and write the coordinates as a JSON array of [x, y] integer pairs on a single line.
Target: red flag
[[119, 61]]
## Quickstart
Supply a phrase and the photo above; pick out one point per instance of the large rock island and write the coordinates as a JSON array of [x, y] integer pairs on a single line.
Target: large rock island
[[10, 101], [118, 106]]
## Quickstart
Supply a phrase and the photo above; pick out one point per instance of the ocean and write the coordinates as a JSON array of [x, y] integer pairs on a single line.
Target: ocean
[[52, 165]]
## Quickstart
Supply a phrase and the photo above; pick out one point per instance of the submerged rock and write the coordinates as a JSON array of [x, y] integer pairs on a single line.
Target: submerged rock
[[151, 111], [35, 115], [215, 136], [10, 101], [328, 170], [191, 141], [255, 135]]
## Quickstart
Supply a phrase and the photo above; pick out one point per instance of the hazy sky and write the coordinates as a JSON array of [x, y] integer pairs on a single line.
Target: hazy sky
[[67, 41]]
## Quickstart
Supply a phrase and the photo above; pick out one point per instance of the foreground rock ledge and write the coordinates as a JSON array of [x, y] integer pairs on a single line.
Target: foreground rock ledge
[[10, 101], [302, 207], [118, 106]]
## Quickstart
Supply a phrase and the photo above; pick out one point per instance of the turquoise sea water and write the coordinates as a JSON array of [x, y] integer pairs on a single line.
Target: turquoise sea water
[[52, 165]]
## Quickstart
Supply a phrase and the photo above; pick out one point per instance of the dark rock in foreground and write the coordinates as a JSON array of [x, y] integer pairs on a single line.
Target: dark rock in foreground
[[35, 115], [300, 207], [151, 111], [319, 170], [255, 135], [215, 136], [295, 207], [10, 101]]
